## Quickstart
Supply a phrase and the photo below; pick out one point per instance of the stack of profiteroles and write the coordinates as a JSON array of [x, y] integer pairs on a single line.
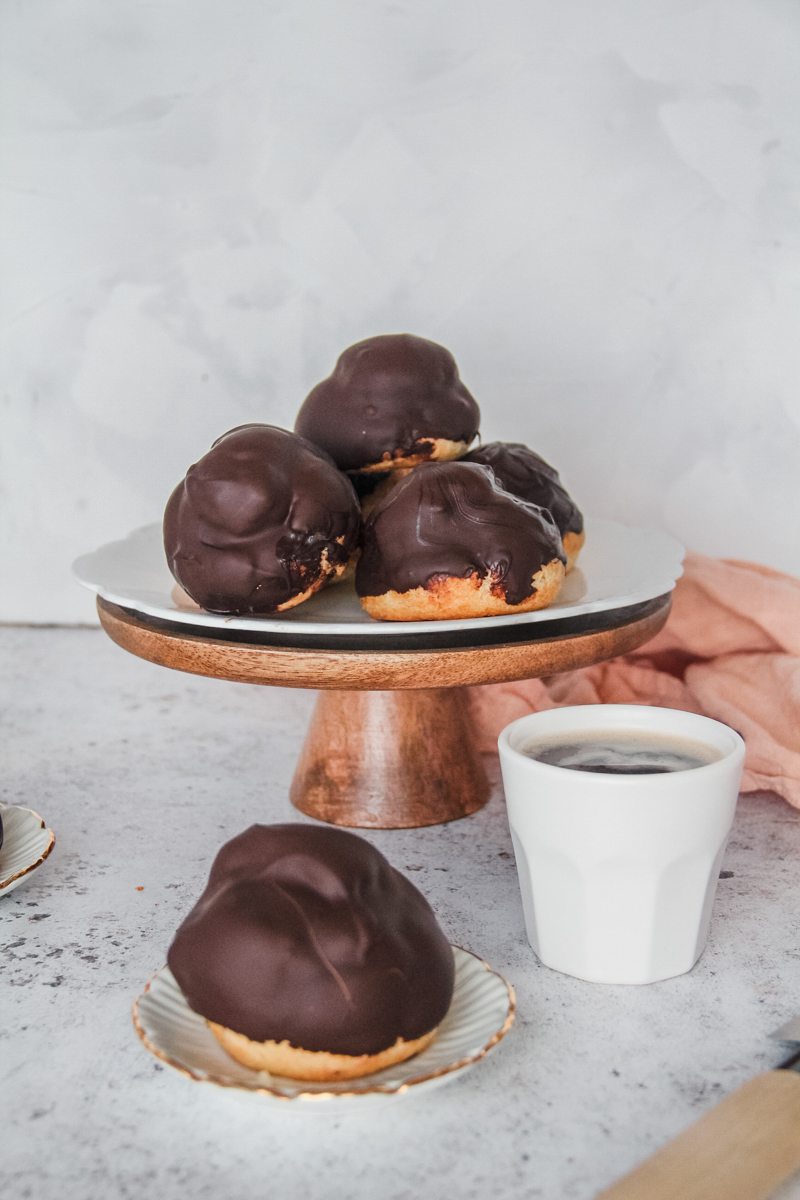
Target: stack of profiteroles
[[378, 477]]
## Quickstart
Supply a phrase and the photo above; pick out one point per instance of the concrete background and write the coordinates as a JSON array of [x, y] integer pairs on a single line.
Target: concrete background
[[595, 207]]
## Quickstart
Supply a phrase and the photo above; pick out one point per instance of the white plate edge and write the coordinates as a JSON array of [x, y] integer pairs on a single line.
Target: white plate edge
[[369, 627]]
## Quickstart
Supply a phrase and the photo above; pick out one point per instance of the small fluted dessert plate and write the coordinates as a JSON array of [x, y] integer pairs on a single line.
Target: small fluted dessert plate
[[481, 1014], [26, 844]]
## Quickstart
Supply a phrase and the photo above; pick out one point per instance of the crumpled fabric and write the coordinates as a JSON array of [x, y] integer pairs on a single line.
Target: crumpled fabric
[[730, 650]]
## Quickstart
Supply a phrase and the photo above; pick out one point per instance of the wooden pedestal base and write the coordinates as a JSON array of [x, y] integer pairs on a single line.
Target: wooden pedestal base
[[376, 758], [390, 760]]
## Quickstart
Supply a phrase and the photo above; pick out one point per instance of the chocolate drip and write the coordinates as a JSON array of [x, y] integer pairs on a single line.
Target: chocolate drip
[[248, 527], [454, 519], [388, 395], [524, 474], [308, 934]]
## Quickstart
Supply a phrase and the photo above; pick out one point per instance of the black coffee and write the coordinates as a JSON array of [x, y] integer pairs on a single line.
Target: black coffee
[[624, 753]]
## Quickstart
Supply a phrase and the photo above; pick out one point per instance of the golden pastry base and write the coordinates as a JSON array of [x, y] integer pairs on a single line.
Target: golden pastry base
[[385, 749]]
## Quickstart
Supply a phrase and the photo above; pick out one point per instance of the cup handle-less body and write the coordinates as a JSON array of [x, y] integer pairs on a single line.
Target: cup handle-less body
[[618, 873]]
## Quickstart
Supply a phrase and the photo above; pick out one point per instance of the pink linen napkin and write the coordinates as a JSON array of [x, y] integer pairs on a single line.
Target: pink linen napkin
[[730, 650]]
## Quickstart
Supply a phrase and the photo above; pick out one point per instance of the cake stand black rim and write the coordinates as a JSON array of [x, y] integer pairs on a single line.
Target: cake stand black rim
[[557, 628]]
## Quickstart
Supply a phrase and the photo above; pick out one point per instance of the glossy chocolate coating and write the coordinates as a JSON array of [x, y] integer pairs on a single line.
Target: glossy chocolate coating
[[454, 519], [388, 395], [524, 474], [246, 529], [307, 933]]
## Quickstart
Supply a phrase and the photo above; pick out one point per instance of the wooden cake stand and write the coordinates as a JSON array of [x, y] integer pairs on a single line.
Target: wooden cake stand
[[390, 744]]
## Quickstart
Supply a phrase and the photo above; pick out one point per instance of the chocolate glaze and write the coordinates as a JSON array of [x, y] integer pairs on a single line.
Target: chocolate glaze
[[524, 474], [454, 519], [365, 485], [388, 395], [246, 529], [307, 933]]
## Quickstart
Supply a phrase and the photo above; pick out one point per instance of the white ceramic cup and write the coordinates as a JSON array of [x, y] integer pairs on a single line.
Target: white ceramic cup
[[618, 872]]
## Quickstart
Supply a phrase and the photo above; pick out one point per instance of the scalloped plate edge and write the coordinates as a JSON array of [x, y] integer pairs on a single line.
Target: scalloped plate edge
[[8, 883], [385, 1091]]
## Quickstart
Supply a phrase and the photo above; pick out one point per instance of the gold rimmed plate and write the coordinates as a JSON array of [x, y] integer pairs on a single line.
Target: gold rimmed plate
[[26, 844], [481, 1014]]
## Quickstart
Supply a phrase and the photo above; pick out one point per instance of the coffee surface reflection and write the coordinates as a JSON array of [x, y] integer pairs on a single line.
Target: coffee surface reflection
[[623, 753]]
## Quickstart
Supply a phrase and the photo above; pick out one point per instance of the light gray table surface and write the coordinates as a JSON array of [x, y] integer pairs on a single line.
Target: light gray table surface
[[143, 773]]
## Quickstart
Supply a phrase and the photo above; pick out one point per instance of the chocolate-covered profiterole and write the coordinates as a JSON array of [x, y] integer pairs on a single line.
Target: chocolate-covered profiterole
[[306, 933], [453, 521], [392, 401], [260, 523], [525, 474]]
